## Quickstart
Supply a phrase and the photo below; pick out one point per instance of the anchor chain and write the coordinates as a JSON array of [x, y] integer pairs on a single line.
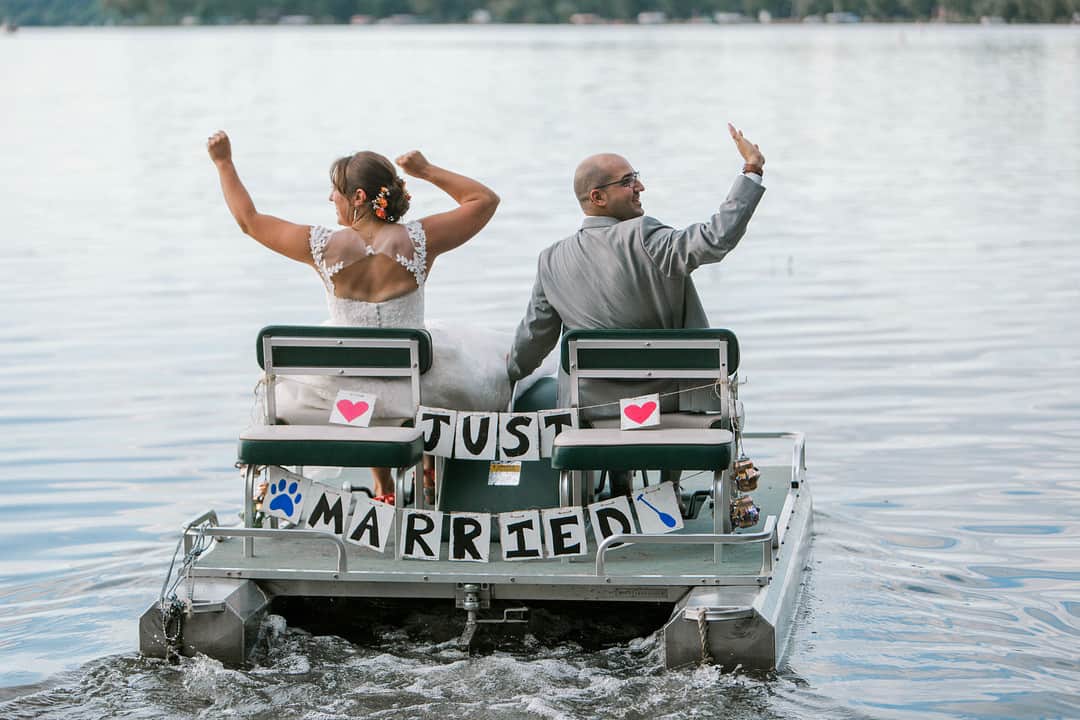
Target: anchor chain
[[172, 615], [173, 609]]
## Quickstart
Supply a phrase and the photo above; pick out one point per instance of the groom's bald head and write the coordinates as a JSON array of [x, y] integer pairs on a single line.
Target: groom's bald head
[[596, 188], [592, 171]]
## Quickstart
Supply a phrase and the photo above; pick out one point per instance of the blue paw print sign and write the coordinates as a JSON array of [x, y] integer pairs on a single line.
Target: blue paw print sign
[[285, 495]]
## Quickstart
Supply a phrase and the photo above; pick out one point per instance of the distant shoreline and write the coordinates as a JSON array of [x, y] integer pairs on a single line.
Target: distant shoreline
[[812, 21]]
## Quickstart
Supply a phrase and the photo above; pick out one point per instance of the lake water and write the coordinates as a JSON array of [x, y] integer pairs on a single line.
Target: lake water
[[907, 295]]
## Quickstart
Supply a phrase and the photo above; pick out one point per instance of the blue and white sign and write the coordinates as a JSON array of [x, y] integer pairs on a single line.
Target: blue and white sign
[[285, 493], [658, 509]]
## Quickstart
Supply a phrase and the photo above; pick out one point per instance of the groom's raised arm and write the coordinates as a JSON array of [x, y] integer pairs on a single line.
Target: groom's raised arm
[[680, 252], [536, 334]]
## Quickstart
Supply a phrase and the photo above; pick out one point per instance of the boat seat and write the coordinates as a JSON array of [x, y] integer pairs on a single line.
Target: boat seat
[[397, 354], [330, 445], [653, 449], [643, 362]]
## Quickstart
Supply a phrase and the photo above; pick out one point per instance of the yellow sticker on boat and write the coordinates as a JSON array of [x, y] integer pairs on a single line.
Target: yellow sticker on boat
[[504, 473]]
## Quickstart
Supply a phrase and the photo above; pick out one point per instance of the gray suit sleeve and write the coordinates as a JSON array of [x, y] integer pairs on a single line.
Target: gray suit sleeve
[[680, 252], [536, 334]]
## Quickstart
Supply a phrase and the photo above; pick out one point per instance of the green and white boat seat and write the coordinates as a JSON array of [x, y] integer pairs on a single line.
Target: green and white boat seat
[[651, 355], [663, 449], [339, 352], [683, 441], [330, 445]]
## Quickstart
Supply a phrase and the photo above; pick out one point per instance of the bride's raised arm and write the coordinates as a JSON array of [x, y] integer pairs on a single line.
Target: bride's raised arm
[[281, 236], [476, 204]]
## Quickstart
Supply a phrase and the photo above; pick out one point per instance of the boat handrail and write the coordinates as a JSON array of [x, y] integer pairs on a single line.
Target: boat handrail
[[210, 516], [342, 562], [764, 536], [798, 453]]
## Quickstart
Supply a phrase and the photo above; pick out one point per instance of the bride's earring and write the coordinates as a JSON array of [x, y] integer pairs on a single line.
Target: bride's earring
[[355, 215]]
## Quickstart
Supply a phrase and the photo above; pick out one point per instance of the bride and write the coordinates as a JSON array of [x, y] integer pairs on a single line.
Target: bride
[[374, 269]]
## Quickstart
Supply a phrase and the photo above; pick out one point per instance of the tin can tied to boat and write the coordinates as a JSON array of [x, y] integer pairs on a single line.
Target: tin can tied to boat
[[746, 474], [744, 513]]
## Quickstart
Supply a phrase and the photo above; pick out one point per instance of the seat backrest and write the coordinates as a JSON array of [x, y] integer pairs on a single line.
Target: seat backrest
[[342, 352], [694, 356]]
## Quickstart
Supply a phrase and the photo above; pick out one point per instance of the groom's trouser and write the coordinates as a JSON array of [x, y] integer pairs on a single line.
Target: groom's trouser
[[622, 481]]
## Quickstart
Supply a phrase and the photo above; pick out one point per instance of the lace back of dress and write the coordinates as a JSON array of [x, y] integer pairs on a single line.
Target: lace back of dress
[[333, 251]]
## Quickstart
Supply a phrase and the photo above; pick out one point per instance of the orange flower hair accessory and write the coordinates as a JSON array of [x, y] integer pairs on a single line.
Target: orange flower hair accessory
[[379, 205]]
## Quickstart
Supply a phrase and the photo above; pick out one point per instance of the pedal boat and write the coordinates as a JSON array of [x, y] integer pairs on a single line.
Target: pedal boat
[[729, 593]]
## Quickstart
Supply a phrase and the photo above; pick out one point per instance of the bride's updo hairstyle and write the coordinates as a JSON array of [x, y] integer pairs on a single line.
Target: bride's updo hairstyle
[[376, 176]]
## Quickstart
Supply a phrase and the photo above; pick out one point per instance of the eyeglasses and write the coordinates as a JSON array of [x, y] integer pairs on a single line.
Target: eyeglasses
[[628, 180]]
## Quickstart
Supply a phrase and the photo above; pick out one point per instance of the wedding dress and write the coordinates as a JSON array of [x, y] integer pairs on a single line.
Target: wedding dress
[[468, 369]]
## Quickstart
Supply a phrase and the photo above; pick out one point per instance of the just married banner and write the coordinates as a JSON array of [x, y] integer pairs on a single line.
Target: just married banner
[[522, 534]]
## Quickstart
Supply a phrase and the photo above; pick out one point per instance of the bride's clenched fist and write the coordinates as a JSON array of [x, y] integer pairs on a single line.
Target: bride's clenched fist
[[219, 147], [413, 163]]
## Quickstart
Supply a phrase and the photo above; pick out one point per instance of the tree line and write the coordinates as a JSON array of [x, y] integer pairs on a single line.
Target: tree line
[[164, 12]]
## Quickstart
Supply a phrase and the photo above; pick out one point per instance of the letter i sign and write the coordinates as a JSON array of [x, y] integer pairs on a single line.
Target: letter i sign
[[639, 412]]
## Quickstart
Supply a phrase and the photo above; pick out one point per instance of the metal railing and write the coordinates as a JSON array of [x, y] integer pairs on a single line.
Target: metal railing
[[765, 537], [207, 517], [798, 451], [342, 562]]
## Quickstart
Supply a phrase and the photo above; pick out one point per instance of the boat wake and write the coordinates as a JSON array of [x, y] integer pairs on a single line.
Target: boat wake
[[298, 674]]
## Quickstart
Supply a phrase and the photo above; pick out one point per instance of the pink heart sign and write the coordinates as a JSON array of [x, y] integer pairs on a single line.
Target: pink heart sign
[[352, 410], [640, 413]]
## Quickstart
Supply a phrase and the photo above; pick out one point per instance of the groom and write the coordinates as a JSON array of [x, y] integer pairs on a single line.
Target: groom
[[623, 269]]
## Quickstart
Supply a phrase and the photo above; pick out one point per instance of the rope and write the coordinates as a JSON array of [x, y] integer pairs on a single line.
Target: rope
[[703, 632], [714, 385], [736, 426], [259, 391]]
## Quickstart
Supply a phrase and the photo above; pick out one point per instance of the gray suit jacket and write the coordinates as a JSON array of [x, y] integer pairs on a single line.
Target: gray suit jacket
[[630, 274]]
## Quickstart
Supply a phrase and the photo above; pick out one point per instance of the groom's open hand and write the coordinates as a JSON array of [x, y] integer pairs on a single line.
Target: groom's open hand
[[414, 163], [750, 152]]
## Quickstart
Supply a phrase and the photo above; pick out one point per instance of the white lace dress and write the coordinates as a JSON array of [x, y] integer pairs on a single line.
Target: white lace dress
[[468, 370]]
